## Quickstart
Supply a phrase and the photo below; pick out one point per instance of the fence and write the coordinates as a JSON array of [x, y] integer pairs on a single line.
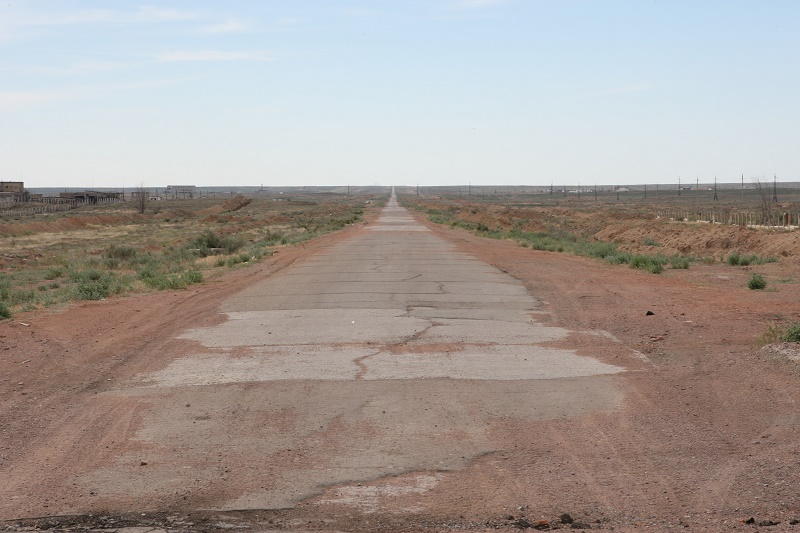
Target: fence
[[774, 218], [33, 210], [769, 205]]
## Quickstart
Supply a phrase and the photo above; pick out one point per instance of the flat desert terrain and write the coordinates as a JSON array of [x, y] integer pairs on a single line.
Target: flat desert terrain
[[403, 363]]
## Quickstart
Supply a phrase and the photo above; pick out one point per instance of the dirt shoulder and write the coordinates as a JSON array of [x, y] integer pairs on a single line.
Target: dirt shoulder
[[707, 434]]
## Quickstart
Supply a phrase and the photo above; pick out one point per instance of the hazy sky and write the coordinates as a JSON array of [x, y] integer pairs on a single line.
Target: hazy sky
[[304, 92]]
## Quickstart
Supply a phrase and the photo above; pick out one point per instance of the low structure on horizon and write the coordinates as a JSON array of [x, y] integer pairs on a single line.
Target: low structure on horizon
[[181, 191], [12, 191], [92, 197]]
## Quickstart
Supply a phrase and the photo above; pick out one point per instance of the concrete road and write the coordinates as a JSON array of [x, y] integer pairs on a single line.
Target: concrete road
[[388, 353]]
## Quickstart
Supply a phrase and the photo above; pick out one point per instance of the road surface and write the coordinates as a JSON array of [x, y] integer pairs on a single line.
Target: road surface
[[387, 355]]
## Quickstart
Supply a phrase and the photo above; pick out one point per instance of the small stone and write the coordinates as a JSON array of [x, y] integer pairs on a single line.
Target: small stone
[[649, 313], [566, 518], [143, 463], [522, 523], [750, 520]]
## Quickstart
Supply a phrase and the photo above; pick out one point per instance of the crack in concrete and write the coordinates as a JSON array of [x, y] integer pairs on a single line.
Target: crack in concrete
[[362, 368]]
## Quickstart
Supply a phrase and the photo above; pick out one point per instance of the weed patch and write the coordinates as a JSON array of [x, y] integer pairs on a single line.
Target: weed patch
[[736, 259], [679, 262], [757, 282], [654, 264]]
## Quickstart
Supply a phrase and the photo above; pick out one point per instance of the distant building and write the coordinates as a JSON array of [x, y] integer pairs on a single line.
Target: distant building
[[12, 186], [151, 196], [181, 191], [91, 197], [12, 191]]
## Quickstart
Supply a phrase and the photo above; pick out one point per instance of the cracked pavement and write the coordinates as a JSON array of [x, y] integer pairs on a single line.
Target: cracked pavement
[[387, 353]]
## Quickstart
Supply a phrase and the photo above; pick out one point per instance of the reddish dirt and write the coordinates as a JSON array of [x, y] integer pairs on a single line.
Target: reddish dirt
[[706, 437]]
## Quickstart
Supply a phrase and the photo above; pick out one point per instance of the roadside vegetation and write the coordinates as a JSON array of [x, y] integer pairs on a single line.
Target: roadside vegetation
[[782, 332], [60, 258], [556, 239], [636, 235]]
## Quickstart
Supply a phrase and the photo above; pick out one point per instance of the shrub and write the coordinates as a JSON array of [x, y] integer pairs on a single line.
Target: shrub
[[5, 312], [619, 258], [165, 282], [80, 276], [679, 262], [192, 276], [757, 282], [648, 241], [120, 252], [21, 296], [208, 240], [92, 290], [53, 273], [5, 288], [648, 262], [792, 333], [736, 259]]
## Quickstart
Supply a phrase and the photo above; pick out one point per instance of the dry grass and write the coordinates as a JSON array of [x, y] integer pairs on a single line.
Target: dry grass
[[97, 252]]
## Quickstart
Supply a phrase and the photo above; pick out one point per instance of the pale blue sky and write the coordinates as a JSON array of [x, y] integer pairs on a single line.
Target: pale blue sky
[[305, 92]]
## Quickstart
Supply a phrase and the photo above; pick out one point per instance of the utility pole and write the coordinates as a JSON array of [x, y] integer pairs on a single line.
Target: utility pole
[[679, 186], [469, 189], [775, 188], [716, 198], [743, 189], [645, 191]]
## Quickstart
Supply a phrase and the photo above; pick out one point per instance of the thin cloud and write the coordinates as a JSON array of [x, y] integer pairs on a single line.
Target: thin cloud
[[14, 101], [477, 4], [79, 67], [230, 26], [142, 14], [212, 55]]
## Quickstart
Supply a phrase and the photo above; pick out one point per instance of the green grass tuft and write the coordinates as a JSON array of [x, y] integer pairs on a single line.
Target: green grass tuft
[[679, 262], [792, 332], [757, 282]]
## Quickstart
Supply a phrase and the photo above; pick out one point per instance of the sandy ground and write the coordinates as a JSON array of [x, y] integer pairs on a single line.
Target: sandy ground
[[677, 419]]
